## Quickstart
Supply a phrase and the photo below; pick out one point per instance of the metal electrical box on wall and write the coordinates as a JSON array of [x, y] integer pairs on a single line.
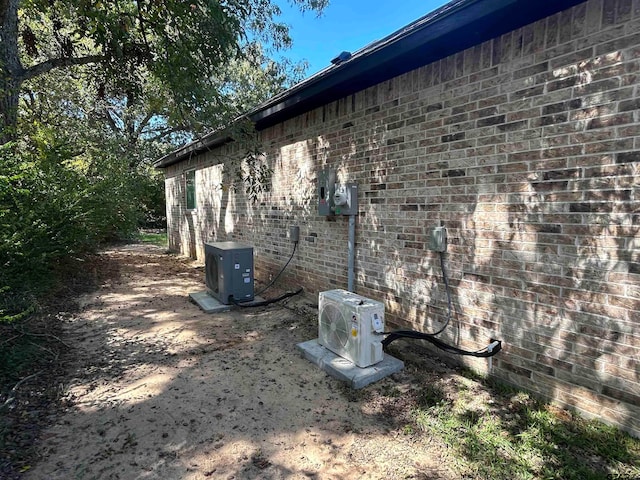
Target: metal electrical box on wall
[[334, 198], [345, 199], [438, 239], [326, 189]]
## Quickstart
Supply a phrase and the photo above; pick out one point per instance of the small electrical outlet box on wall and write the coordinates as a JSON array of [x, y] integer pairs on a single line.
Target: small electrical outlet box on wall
[[294, 233], [438, 239]]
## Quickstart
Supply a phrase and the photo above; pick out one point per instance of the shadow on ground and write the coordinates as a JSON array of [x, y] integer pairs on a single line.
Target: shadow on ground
[[158, 389]]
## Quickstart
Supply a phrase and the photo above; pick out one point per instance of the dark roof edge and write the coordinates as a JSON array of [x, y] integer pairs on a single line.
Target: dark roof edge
[[207, 142], [282, 100], [453, 27]]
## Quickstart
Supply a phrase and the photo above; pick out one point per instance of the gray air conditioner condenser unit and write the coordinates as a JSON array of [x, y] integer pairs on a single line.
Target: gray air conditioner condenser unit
[[229, 271]]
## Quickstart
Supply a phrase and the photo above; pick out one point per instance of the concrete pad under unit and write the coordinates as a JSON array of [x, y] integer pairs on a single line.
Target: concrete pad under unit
[[208, 304], [345, 370]]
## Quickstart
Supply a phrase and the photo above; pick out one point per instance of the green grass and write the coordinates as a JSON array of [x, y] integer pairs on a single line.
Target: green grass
[[501, 433], [154, 238]]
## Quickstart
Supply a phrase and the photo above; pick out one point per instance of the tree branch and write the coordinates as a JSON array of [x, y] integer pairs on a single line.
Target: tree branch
[[162, 134], [10, 397], [54, 63], [142, 29], [4, 9], [143, 123], [111, 121]]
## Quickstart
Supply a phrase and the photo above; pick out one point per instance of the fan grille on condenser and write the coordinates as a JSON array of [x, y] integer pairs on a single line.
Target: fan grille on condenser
[[211, 276], [334, 326]]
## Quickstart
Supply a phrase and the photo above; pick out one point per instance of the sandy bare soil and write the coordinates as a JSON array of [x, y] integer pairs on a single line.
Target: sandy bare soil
[[157, 389]]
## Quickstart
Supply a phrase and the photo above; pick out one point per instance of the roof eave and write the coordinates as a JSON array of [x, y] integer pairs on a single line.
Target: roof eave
[[451, 29], [207, 142], [454, 27]]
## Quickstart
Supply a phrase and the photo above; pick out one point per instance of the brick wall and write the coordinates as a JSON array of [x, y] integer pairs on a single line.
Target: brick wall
[[527, 148]]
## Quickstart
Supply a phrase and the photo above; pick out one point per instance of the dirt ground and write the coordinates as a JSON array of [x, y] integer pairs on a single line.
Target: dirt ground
[[157, 389]]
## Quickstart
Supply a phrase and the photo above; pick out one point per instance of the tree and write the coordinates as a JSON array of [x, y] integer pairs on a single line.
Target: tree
[[180, 44], [90, 93]]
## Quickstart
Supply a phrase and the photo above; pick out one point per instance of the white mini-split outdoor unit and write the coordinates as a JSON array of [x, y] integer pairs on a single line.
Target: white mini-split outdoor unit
[[349, 325], [229, 271]]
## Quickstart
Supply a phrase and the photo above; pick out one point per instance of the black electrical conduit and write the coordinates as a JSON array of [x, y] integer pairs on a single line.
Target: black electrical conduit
[[265, 302], [295, 245], [272, 300], [488, 351], [446, 287]]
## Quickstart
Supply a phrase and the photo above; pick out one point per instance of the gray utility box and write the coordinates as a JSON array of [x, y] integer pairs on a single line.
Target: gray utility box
[[326, 191], [438, 239], [229, 271], [335, 198]]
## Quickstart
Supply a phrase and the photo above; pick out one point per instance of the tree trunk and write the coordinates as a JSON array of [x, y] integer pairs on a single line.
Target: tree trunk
[[11, 71], [9, 94]]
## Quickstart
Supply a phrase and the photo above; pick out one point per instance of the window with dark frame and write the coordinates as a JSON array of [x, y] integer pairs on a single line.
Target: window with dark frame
[[190, 181]]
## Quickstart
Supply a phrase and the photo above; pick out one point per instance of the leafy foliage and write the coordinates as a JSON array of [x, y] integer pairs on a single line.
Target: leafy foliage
[[92, 92], [176, 49], [255, 175], [51, 208], [494, 431]]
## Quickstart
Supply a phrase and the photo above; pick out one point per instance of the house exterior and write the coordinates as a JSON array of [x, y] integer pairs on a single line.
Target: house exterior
[[516, 125]]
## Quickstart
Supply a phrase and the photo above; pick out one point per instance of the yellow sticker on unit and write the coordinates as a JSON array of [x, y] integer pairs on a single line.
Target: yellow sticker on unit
[[354, 332], [354, 326]]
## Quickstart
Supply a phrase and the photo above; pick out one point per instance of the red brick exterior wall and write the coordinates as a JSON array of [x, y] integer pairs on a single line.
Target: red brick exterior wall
[[527, 148]]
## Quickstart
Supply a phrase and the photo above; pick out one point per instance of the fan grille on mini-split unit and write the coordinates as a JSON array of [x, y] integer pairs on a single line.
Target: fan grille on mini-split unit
[[334, 326]]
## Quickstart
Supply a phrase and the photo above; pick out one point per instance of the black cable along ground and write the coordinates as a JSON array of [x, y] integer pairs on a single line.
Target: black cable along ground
[[486, 352], [272, 300], [266, 302]]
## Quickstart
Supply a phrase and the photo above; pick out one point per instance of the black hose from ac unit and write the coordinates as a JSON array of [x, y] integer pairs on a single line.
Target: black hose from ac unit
[[488, 351], [264, 303]]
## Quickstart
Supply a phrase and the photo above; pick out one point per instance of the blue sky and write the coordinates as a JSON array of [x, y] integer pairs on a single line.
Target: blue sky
[[347, 25]]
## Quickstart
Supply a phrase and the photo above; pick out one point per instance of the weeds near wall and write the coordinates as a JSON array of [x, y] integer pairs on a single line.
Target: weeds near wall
[[494, 431]]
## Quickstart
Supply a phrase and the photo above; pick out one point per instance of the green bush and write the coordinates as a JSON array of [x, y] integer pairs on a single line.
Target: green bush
[[55, 204]]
